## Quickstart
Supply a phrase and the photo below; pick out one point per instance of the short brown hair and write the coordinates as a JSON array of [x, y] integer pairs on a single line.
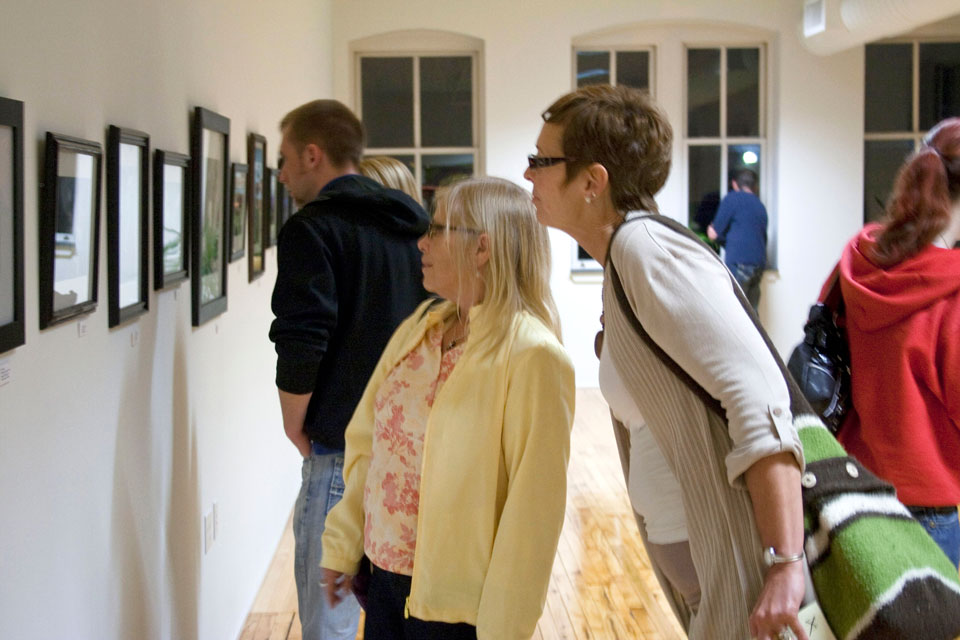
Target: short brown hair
[[622, 129], [331, 126]]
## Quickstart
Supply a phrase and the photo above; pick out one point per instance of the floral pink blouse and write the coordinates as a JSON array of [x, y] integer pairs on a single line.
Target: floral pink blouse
[[391, 496]]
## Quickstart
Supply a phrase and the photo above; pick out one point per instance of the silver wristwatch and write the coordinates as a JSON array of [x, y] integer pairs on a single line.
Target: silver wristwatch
[[771, 557]]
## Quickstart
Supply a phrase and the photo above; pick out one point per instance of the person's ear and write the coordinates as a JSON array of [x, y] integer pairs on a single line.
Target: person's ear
[[312, 155], [483, 250], [597, 180]]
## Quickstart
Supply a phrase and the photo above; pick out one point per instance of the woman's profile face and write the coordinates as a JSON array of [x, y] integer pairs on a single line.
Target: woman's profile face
[[551, 195], [437, 261]]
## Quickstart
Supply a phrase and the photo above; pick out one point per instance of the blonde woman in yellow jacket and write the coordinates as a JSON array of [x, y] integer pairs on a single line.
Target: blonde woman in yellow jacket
[[456, 456]]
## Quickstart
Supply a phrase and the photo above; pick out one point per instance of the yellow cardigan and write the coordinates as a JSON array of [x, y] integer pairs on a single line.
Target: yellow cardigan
[[493, 478]]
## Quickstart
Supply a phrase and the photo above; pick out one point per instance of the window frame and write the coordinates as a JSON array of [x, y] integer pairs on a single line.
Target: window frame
[[580, 266], [725, 142], [418, 150], [915, 135]]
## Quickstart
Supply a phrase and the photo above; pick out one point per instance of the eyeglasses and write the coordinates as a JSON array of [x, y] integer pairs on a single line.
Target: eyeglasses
[[434, 228], [539, 162]]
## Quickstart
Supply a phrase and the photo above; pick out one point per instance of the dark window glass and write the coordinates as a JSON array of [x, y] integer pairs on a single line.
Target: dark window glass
[[443, 169], [446, 102], [593, 67], [387, 96], [703, 93], [744, 156], [939, 83], [633, 69], [881, 160], [743, 92], [704, 181], [888, 83]]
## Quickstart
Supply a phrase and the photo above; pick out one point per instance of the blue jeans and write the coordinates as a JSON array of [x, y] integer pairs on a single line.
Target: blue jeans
[[321, 489], [944, 528], [748, 276]]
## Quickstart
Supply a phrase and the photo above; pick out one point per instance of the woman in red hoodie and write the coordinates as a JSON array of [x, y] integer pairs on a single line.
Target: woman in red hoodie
[[901, 286]]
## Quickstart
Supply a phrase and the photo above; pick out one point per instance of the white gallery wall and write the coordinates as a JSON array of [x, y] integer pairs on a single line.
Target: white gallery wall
[[813, 183], [114, 444]]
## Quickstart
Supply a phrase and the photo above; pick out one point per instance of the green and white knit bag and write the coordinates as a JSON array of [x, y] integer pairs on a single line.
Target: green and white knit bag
[[877, 573]]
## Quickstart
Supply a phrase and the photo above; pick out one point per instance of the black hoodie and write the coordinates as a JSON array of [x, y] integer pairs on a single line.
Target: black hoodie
[[348, 272]]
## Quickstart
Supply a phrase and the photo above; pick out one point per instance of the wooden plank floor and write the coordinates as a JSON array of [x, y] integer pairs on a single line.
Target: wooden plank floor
[[601, 588]]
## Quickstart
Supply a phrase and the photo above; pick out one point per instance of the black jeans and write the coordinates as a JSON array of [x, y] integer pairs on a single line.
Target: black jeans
[[386, 599]]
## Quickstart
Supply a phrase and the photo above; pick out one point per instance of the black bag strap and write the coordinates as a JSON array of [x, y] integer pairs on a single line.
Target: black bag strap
[[833, 296], [798, 403]]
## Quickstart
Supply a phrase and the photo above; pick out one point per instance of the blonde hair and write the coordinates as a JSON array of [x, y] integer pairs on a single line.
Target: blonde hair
[[517, 275], [391, 173]]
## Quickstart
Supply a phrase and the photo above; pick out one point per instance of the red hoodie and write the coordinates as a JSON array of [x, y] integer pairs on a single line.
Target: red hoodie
[[903, 323]]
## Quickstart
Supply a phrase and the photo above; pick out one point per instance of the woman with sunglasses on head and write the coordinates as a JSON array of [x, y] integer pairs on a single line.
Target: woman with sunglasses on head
[[456, 457], [602, 154], [900, 282]]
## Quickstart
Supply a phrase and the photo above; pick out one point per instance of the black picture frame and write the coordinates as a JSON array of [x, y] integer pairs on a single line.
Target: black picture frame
[[209, 222], [171, 226], [258, 197], [272, 211], [238, 211], [12, 323], [128, 217], [69, 228], [286, 206]]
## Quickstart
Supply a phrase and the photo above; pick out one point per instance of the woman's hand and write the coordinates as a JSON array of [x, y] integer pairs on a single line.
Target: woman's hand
[[336, 585], [778, 604]]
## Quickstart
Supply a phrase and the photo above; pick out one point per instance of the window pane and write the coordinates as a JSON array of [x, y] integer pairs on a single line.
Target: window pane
[[888, 82], [387, 98], [939, 82], [881, 160], [703, 93], [744, 156], [443, 169], [743, 92], [446, 102], [593, 67], [633, 69], [704, 180]]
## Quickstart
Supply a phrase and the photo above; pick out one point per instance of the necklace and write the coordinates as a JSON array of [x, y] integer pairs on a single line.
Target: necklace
[[454, 342]]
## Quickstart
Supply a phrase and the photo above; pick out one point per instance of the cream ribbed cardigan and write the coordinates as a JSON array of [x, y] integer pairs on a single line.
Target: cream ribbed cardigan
[[684, 298]]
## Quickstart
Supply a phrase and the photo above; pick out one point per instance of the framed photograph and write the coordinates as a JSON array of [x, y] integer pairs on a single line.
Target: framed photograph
[[256, 190], [12, 332], [273, 210], [210, 226], [128, 217], [286, 205], [69, 228], [238, 210], [171, 198]]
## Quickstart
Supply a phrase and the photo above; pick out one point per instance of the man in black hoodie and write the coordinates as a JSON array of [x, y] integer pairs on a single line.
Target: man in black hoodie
[[348, 272]]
